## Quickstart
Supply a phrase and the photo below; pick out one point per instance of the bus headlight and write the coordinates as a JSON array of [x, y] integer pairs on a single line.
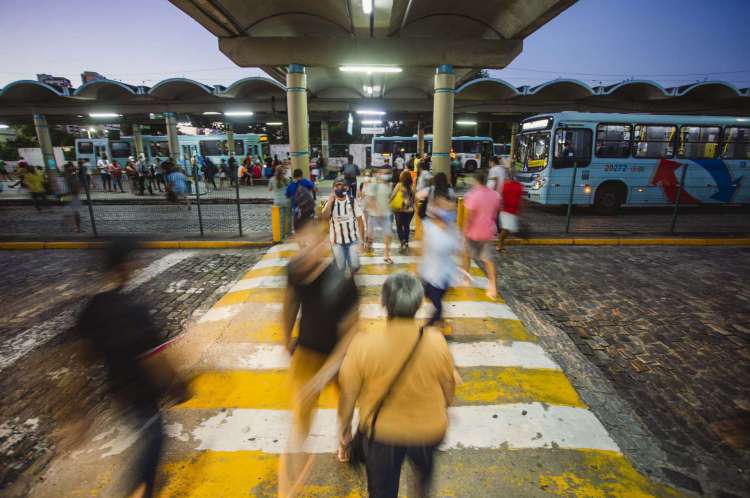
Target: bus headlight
[[587, 189], [538, 184]]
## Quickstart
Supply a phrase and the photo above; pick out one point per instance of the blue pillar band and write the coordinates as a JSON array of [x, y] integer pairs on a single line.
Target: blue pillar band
[[296, 68], [445, 69]]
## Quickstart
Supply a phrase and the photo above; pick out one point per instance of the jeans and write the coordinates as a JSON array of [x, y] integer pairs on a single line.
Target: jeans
[[40, 199], [403, 220], [106, 181], [435, 295], [117, 183], [346, 254], [383, 465]]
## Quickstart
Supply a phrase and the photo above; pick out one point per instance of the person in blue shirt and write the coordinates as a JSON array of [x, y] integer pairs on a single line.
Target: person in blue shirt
[[177, 184], [298, 179]]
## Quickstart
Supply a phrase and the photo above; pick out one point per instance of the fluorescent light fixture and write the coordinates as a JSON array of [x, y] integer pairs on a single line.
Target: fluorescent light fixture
[[466, 123], [92, 129], [211, 113], [232, 114], [368, 90], [370, 69], [185, 123], [371, 121], [367, 6], [370, 112], [4, 126], [104, 115], [274, 123]]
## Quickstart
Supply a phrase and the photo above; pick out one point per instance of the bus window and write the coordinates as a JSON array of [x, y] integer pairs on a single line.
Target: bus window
[[266, 149], [213, 147], [159, 149], [85, 147], [120, 149], [736, 143], [572, 146], [239, 147], [654, 141], [699, 142], [533, 150], [613, 140], [382, 147]]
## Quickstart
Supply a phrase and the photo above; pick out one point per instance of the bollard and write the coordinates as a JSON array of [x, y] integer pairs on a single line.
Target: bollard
[[198, 200], [677, 198], [276, 223], [417, 228], [91, 207], [319, 210], [570, 198], [460, 213]]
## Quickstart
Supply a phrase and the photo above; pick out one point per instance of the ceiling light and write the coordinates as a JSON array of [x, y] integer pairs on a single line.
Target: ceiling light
[[92, 130], [367, 6], [274, 123], [104, 115], [466, 123], [4, 126], [188, 123], [371, 121], [370, 112], [238, 113], [368, 90], [370, 69], [211, 113]]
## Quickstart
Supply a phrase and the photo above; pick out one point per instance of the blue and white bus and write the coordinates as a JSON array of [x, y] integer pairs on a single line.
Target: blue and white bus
[[633, 159], [156, 146], [473, 152]]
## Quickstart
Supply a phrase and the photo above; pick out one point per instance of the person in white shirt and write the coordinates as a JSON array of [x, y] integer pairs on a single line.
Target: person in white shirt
[[103, 166], [379, 213], [398, 163], [347, 225], [496, 176]]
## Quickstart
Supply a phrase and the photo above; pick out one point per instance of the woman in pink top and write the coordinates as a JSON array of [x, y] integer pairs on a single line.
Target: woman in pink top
[[482, 206]]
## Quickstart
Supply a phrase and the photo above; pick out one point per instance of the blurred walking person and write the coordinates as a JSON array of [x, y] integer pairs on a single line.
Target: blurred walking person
[[326, 301], [277, 186], [33, 181], [177, 185], [121, 334], [73, 191], [103, 166], [441, 246], [512, 193], [346, 225], [401, 376], [482, 206], [144, 178], [301, 193], [402, 205], [379, 220], [84, 178], [116, 174]]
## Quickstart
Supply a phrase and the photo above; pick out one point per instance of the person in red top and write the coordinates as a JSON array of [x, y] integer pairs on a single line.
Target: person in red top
[[512, 192]]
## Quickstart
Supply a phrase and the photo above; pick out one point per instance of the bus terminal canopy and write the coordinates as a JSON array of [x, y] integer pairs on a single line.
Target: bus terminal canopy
[[485, 99]]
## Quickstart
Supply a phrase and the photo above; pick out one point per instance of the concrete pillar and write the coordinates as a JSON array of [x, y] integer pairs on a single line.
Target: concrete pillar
[[296, 106], [170, 119], [325, 146], [420, 138], [513, 133], [45, 142], [137, 140], [442, 119]]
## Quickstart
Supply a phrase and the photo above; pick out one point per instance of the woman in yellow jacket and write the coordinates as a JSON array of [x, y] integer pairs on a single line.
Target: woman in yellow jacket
[[402, 205]]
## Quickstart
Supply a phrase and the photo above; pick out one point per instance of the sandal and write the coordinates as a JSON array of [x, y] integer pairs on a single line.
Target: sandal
[[388, 261]]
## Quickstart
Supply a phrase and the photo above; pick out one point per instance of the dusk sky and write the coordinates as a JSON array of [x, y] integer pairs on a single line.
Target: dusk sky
[[144, 41]]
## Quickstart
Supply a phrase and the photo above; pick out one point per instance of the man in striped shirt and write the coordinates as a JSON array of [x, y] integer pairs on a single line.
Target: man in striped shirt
[[347, 225]]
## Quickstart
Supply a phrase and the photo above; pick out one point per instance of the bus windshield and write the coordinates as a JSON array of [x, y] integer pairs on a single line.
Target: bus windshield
[[532, 150]]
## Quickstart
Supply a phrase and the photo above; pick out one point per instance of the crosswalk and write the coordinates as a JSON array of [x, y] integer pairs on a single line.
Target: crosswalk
[[517, 426]]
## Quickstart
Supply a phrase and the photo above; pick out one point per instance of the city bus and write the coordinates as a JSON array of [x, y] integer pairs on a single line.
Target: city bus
[[473, 152], [633, 159], [157, 146], [501, 150]]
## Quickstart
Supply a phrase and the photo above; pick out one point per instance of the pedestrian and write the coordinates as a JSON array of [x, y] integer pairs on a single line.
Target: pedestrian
[[277, 186], [268, 169], [346, 225], [441, 246], [482, 206], [512, 193], [402, 378], [423, 180], [176, 184], [495, 180], [301, 193], [244, 175], [402, 206], [115, 173], [439, 187], [73, 191], [33, 181], [210, 170], [233, 168], [455, 169], [326, 301], [398, 162], [276, 163], [223, 173], [145, 179], [379, 214], [351, 171], [158, 174], [84, 178], [103, 166], [121, 334], [133, 176]]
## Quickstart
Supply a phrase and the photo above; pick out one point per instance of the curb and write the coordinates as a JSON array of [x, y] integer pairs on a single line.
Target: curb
[[235, 244]]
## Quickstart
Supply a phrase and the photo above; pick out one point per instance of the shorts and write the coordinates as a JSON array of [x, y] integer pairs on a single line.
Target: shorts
[[381, 225], [479, 249], [509, 221]]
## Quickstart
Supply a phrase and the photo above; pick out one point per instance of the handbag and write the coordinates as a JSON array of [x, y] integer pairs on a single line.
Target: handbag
[[357, 447], [397, 203]]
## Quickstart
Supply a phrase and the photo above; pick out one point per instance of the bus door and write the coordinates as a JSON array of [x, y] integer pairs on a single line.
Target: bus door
[[188, 151], [100, 149]]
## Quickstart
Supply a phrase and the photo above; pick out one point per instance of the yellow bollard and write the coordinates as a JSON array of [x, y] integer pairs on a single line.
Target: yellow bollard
[[417, 228], [460, 213], [276, 223]]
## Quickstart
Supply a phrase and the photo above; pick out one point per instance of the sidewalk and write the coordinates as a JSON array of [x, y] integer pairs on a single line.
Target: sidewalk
[[518, 427]]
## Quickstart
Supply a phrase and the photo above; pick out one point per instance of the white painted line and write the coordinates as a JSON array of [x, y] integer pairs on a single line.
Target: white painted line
[[291, 246], [279, 282], [511, 426], [254, 356], [157, 267], [451, 309]]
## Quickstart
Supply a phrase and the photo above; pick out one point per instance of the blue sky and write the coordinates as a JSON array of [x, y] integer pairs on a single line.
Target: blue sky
[[670, 41]]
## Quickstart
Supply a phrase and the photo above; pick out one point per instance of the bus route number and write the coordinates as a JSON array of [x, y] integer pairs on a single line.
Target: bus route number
[[622, 168]]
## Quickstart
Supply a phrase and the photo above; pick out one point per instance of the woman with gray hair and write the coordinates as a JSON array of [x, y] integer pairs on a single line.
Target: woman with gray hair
[[402, 377]]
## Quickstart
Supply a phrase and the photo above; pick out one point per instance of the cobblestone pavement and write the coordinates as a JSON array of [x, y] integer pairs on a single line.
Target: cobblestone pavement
[[670, 329], [43, 375]]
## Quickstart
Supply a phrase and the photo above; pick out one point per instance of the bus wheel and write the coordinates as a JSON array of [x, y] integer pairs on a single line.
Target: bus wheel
[[609, 197], [470, 166]]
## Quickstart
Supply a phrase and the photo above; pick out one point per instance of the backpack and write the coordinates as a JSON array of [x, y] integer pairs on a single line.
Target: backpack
[[304, 202], [350, 171]]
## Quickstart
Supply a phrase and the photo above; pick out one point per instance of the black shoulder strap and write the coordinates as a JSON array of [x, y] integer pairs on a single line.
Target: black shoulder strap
[[381, 402]]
